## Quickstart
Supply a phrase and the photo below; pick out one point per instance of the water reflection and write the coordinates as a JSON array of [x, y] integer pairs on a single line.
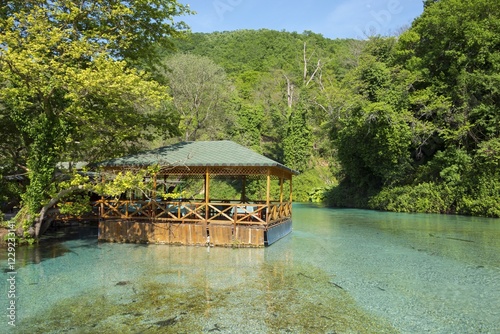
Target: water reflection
[[53, 245]]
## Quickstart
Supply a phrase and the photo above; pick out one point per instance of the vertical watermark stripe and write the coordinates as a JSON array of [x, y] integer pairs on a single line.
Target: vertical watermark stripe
[[11, 275]]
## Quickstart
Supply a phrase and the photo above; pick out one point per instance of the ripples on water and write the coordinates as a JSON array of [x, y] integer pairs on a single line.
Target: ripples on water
[[340, 271]]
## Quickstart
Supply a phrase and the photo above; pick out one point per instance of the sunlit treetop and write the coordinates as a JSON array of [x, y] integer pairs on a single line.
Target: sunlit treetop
[[124, 29]]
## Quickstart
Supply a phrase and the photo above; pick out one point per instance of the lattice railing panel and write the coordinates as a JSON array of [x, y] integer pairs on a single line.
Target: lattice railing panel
[[257, 213], [255, 172]]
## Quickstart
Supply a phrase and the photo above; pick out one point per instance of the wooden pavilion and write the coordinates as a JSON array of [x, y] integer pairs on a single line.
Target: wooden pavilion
[[207, 221]]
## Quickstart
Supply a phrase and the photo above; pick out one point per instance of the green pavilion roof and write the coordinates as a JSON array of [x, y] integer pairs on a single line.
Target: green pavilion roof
[[198, 154]]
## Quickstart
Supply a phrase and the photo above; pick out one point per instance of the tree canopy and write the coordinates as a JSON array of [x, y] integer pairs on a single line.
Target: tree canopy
[[201, 93], [415, 114], [68, 88], [441, 79]]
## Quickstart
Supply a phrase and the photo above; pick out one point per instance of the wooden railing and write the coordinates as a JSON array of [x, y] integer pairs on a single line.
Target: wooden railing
[[213, 212]]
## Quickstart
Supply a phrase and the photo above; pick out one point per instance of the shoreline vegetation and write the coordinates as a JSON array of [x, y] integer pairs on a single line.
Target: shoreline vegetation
[[406, 123]]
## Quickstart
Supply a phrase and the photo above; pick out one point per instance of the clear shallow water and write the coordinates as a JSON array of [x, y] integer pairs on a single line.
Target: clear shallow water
[[340, 271]]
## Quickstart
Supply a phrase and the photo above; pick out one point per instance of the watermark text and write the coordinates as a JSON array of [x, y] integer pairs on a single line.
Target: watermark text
[[381, 19], [11, 275], [223, 6]]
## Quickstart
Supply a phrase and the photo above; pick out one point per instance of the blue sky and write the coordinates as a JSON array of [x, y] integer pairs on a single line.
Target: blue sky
[[331, 18]]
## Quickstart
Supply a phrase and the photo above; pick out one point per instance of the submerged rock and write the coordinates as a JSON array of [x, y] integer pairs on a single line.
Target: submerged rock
[[122, 283]]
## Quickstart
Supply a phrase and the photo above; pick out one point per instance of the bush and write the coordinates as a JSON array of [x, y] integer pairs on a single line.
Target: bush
[[306, 185], [425, 197], [317, 195], [482, 198], [348, 195]]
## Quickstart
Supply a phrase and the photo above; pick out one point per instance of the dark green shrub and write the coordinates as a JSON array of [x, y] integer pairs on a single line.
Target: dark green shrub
[[424, 197]]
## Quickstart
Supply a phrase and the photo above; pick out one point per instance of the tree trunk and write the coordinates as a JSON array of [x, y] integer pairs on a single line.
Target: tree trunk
[[289, 90], [40, 225]]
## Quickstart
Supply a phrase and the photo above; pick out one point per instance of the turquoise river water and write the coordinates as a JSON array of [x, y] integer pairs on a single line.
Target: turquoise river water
[[339, 271]]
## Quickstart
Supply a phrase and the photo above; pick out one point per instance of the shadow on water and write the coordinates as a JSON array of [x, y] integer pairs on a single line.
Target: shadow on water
[[52, 244]]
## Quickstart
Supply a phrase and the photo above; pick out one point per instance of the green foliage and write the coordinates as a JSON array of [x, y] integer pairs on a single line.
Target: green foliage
[[406, 124], [453, 166], [131, 30], [67, 86], [424, 197], [10, 194], [317, 195], [422, 129], [374, 79], [311, 185], [75, 205], [268, 49], [248, 128], [373, 146], [116, 184], [348, 195], [482, 197], [416, 115], [297, 142], [273, 80], [454, 48], [225, 189], [201, 94], [488, 155]]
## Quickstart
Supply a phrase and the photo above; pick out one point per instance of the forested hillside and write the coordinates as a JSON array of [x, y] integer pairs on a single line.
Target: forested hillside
[[408, 123], [274, 97]]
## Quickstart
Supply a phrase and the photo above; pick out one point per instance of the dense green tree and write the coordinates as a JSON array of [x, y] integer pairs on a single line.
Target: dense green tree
[[453, 50], [414, 120], [201, 93], [65, 79], [421, 130], [454, 47], [414, 115], [297, 141], [373, 145], [247, 129]]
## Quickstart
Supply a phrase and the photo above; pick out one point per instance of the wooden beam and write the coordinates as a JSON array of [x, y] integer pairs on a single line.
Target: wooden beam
[[207, 193], [281, 190], [153, 198], [268, 193], [101, 207], [243, 191]]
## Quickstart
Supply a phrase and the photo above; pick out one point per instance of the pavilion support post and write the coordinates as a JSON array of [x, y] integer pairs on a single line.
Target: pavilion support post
[[243, 191], [281, 210], [268, 194], [207, 194], [153, 198], [281, 190], [101, 209]]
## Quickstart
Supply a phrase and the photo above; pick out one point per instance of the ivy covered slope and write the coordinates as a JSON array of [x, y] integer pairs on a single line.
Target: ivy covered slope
[[407, 123]]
